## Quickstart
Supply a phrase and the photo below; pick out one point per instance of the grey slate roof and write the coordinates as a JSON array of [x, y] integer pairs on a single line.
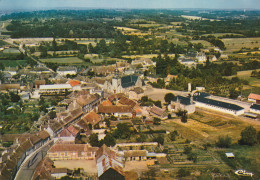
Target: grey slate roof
[[255, 106], [218, 103], [128, 81], [182, 100]]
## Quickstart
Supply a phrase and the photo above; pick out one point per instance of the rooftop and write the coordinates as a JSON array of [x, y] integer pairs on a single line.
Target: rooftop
[[254, 96], [220, 104]]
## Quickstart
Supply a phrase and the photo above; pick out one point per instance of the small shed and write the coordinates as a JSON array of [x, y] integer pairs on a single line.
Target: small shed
[[230, 155]]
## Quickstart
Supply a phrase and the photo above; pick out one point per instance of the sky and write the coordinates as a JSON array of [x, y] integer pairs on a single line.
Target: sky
[[132, 4]]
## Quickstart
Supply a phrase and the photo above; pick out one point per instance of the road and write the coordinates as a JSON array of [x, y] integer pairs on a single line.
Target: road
[[158, 94], [29, 165]]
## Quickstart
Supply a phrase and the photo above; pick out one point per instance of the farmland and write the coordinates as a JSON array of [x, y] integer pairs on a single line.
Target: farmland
[[67, 60], [235, 44], [13, 63]]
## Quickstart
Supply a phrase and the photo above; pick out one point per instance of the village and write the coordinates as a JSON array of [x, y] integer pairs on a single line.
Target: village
[[146, 101]]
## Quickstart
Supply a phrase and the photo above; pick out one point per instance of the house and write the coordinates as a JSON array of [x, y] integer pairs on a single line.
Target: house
[[255, 98], [109, 164], [117, 111], [143, 62], [182, 103], [188, 62], [66, 70], [135, 155], [255, 108], [11, 70], [10, 87], [63, 151], [218, 105], [55, 89], [37, 83], [92, 118], [158, 112], [75, 84], [201, 57], [57, 173], [44, 169], [69, 134]]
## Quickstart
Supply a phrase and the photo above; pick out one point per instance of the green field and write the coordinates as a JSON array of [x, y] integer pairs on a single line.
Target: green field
[[68, 60], [13, 63]]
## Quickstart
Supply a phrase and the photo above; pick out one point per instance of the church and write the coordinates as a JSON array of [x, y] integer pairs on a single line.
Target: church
[[122, 84]]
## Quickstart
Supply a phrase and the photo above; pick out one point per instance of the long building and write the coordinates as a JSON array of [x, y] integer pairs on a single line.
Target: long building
[[53, 89], [218, 106]]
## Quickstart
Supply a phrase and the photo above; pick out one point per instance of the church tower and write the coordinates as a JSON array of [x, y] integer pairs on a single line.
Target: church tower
[[116, 82]]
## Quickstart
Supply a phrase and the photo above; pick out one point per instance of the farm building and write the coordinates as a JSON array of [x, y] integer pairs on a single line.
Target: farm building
[[218, 105], [158, 112], [255, 98], [255, 108]]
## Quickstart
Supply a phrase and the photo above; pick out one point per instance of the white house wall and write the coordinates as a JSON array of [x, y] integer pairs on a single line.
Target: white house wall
[[228, 111]]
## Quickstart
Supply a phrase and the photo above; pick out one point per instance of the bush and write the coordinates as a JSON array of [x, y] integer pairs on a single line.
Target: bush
[[187, 150], [224, 142], [248, 136], [156, 121], [183, 172]]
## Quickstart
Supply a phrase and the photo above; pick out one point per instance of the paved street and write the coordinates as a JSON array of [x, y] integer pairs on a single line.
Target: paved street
[[30, 163]]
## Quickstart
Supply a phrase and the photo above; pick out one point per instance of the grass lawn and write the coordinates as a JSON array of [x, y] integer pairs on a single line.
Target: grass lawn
[[13, 63], [67, 60]]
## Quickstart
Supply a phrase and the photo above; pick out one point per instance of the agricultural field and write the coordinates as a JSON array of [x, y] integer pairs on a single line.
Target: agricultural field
[[145, 56], [206, 126], [67, 60], [254, 83], [206, 44], [13, 63], [235, 44]]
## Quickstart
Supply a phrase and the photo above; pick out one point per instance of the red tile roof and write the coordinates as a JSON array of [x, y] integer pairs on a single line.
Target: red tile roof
[[107, 103], [115, 109], [254, 96], [74, 83], [92, 118], [74, 130]]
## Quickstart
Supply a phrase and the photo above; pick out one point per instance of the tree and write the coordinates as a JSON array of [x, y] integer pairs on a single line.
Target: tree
[[158, 103], [187, 150], [109, 140], [224, 141], [52, 114], [156, 121], [93, 140], [184, 117], [14, 97], [258, 137], [192, 157], [159, 139], [248, 136], [168, 97], [173, 135], [123, 131], [183, 172]]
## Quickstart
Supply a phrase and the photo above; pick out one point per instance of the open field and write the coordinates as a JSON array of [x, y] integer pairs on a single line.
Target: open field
[[254, 83], [13, 63], [203, 42], [235, 44], [145, 56], [67, 60], [207, 126], [88, 165]]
